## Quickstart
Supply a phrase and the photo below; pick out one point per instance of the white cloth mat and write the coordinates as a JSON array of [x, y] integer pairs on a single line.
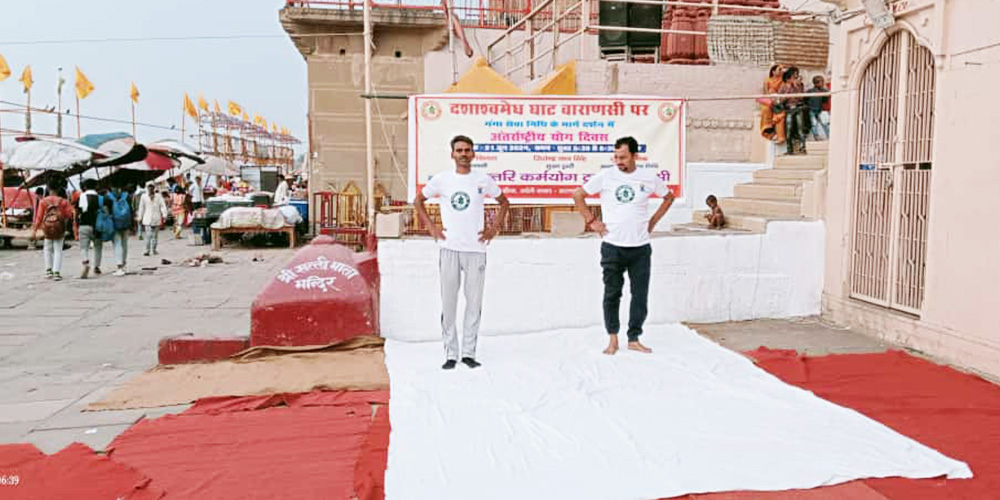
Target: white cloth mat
[[549, 416]]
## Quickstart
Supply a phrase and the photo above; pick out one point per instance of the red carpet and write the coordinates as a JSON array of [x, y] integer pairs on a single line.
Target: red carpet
[[953, 412], [328, 445], [369, 473], [297, 446], [74, 472]]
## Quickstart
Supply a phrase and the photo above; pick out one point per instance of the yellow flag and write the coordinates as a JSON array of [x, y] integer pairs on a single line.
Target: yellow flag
[[274, 128], [217, 109], [134, 93], [235, 109], [263, 123], [256, 119], [202, 103], [245, 117], [189, 107], [83, 85], [4, 69], [26, 79]]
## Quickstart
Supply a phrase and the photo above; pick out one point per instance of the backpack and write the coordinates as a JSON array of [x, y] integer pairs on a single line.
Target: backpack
[[53, 225], [122, 212], [105, 225]]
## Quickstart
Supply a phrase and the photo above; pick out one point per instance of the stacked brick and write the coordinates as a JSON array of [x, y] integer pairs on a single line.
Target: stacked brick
[[693, 49]]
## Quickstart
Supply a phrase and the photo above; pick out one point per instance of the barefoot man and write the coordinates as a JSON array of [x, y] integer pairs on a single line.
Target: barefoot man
[[463, 240], [625, 193]]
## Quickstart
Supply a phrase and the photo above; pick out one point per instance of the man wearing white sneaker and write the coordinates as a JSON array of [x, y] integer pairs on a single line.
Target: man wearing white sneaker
[[462, 238], [625, 193], [151, 213]]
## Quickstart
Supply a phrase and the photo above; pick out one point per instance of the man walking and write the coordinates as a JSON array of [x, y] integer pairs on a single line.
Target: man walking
[[151, 213], [625, 193], [90, 205], [53, 215], [121, 206], [197, 192], [463, 240]]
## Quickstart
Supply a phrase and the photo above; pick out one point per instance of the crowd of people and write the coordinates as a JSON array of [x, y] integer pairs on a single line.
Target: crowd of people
[[790, 121], [94, 215]]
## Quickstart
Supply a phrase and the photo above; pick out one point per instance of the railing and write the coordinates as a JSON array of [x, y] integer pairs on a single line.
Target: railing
[[548, 22], [520, 219], [494, 14]]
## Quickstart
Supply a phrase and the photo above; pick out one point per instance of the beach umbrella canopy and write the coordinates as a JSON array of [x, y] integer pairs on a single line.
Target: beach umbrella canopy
[[154, 161], [118, 147], [50, 153]]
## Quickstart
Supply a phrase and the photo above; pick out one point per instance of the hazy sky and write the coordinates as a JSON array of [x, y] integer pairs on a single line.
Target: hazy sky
[[266, 75]]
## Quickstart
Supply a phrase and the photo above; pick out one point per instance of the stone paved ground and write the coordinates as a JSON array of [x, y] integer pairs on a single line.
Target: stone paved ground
[[64, 345]]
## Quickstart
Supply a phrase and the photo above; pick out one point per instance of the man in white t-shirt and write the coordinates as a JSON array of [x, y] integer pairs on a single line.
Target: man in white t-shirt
[[281, 192], [625, 193], [197, 193], [463, 240]]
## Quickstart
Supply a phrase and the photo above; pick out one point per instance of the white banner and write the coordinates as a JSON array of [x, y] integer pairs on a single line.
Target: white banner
[[541, 148]]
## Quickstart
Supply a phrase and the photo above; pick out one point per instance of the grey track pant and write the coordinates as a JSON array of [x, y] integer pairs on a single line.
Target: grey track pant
[[452, 265]]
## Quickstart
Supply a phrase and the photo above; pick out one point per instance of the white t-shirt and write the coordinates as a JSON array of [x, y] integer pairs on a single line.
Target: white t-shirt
[[281, 194], [197, 195], [625, 203], [462, 214]]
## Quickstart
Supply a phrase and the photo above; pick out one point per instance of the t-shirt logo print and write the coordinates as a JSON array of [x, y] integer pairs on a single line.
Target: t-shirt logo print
[[624, 193], [460, 200]]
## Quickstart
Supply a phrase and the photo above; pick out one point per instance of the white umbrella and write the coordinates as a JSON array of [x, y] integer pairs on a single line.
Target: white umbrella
[[50, 154], [175, 148], [213, 165]]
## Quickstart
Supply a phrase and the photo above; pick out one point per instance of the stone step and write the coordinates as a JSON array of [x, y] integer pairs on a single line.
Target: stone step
[[735, 220], [771, 208], [819, 146], [800, 162], [783, 176], [786, 192]]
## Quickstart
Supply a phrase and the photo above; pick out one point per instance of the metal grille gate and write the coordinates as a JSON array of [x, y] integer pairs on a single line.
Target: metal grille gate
[[892, 181]]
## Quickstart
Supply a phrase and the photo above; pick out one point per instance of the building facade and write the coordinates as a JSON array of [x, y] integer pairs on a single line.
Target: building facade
[[911, 252]]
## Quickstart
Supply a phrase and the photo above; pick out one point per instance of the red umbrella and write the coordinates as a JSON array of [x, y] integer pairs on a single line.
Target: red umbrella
[[155, 161]]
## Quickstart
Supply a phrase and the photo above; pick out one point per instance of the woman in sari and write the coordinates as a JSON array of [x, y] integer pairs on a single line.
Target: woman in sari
[[772, 124]]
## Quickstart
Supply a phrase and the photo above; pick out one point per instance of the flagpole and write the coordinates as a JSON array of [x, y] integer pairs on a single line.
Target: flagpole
[[369, 153], [133, 118], [183, 116], [199, 131], [27, 117], [78, 135]]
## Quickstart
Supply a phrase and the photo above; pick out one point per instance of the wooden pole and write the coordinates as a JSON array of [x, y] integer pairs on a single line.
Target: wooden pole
[[133, 118]]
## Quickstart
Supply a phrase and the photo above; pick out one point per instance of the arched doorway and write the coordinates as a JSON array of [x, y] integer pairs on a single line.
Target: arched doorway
[[892, 177]]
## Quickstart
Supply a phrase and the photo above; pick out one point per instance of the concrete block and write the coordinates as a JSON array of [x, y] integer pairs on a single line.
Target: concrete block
[[389, 225], [187, 348], [567, 224], [326, 293]]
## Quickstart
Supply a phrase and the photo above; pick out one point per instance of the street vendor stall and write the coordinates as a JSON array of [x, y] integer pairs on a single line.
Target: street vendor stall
[[256, 220]]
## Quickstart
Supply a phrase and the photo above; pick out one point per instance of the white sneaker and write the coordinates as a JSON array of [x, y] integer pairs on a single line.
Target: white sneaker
[[120, 272]]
